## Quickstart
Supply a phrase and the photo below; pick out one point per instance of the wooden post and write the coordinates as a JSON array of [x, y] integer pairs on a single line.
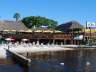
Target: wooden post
[[64, 42], [71, 41], [53, 41]]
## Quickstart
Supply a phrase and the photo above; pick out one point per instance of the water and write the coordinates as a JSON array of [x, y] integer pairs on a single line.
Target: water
[[52, 62], [9, 66], [78, 60]]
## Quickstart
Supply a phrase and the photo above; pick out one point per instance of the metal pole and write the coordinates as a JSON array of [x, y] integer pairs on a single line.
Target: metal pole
[[90, 36], [84, 36], [86, 24]]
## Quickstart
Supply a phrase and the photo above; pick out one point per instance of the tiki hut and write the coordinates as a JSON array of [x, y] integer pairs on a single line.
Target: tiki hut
[[70, 26], [12, 26]]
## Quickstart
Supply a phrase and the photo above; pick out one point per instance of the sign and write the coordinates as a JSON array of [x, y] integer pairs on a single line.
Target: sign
[[44, 26], [91, 24]]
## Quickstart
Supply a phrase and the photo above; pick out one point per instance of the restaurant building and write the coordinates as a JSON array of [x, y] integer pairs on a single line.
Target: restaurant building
[[68, 33]]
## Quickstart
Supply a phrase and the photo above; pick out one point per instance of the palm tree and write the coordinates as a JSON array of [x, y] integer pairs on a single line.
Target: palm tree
[[16, 16]]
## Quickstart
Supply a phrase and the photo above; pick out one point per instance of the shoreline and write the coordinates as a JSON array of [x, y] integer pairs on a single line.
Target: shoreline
[[38, 48]]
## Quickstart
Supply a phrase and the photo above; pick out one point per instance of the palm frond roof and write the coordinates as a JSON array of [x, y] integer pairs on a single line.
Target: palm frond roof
[[70, 26], [12, 25]]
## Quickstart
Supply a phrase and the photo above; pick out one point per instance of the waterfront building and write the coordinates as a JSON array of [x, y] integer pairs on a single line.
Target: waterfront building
[[68, 33], [74, 29]]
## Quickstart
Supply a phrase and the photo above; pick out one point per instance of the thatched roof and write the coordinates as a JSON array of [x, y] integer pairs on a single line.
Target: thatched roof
[[12, 25], [70, 26]]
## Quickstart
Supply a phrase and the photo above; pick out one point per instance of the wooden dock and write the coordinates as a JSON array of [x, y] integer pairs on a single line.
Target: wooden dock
[[20, 60]]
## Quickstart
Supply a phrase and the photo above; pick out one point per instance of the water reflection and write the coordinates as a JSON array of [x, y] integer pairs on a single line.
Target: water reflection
[[78, 60], [64, 61], [9, 66]]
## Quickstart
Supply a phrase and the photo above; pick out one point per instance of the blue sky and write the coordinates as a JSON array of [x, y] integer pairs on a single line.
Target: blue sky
[[60, 10]]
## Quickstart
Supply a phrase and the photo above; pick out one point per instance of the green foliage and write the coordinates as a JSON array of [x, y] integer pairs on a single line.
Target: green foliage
[[16, 16], [38, 21]]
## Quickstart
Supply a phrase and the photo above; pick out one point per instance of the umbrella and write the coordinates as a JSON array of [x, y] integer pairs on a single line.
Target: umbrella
[[80, 37], [24, 39], [9, 39]]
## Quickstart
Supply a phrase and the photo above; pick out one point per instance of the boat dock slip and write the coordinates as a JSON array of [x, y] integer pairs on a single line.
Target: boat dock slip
[[20, 59]]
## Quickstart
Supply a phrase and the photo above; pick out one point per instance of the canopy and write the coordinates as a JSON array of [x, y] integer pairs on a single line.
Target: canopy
[[79, 37]]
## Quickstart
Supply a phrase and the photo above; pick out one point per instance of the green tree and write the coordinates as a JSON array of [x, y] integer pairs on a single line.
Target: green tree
[[16, 16], [38, 21]]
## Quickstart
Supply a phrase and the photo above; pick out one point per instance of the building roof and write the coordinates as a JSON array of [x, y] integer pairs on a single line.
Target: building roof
[[70, 26], [20, 27], [12, 25]]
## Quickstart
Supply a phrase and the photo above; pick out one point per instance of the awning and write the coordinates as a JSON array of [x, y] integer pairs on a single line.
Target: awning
[[13, 30], [57, 31], [48, 31], [6, 30], [90, 30], [38, 31], [21, 30], [28, 30]]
